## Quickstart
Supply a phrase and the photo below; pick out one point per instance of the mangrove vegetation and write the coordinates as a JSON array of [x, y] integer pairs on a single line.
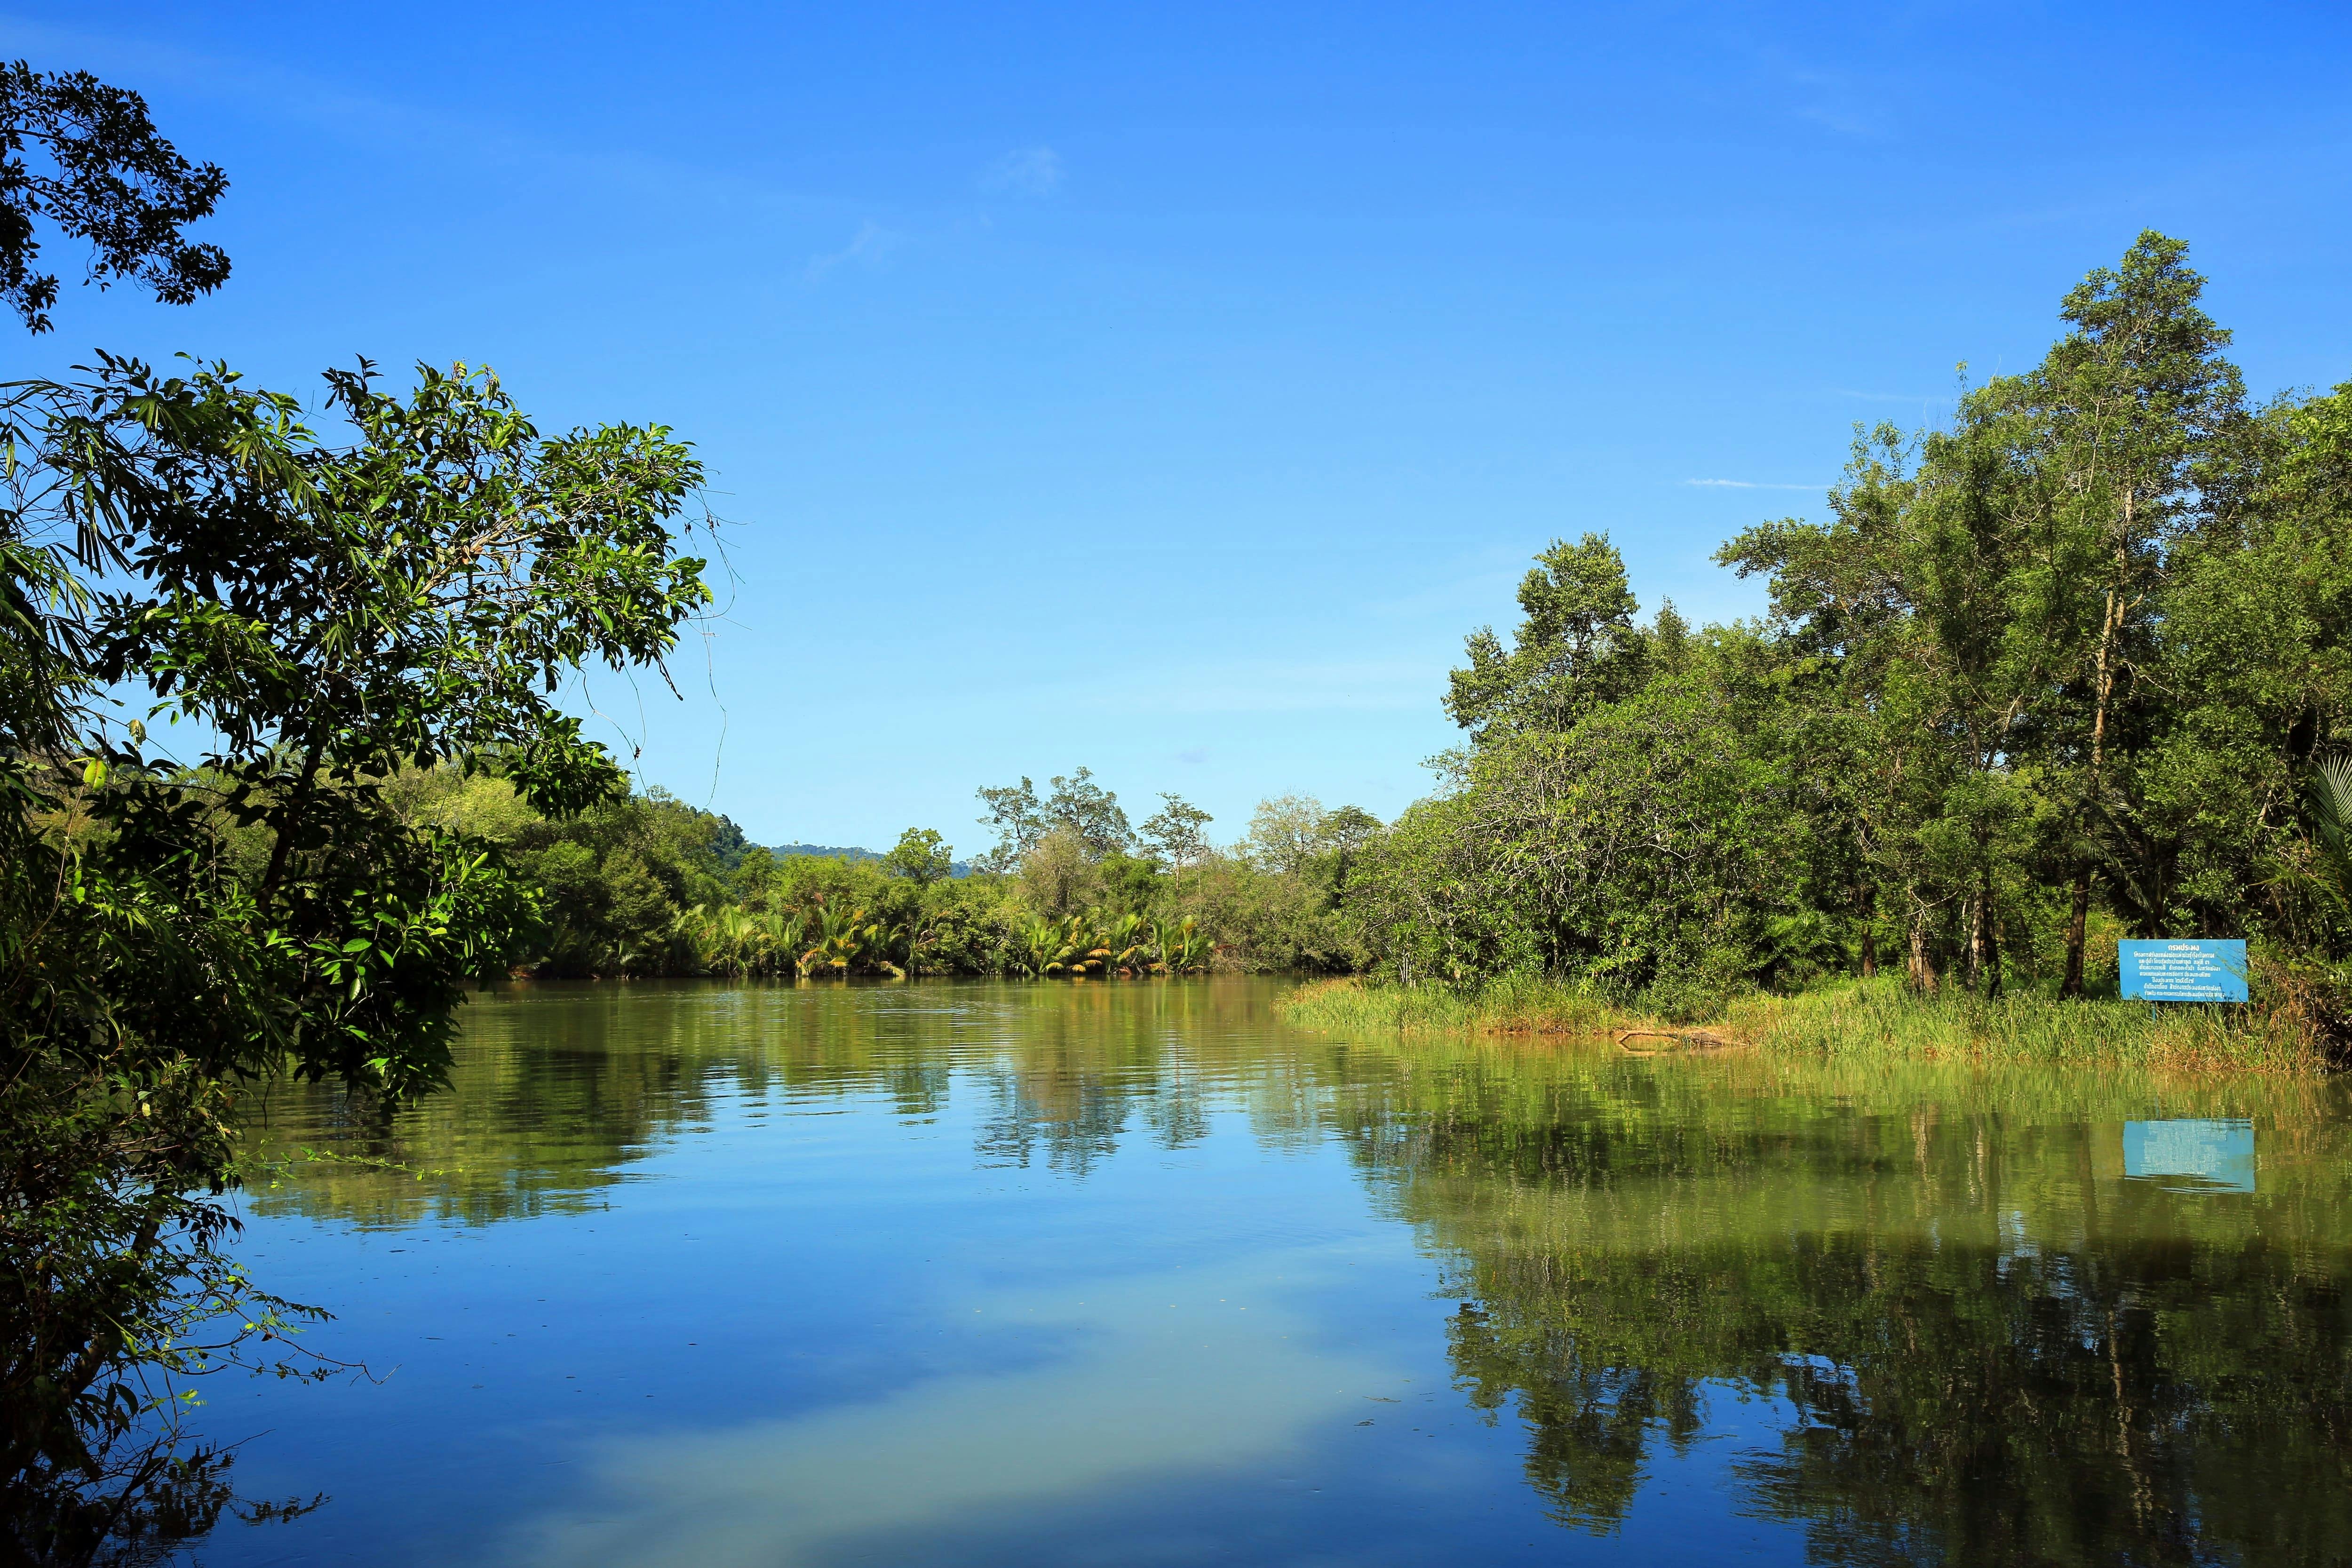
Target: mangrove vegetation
[[643, 885], [2068, 669]]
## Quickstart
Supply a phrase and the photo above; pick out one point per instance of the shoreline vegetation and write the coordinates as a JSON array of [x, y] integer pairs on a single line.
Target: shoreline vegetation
[[646, 886], [2066, 670], [2070, 669], [1879, 1019]]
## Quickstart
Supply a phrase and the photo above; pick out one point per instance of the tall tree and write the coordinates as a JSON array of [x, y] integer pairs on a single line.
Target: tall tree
[[2129, 401], [1178, 833], [1017, 819], [1576, 647], [920, 857], [1085, 808]]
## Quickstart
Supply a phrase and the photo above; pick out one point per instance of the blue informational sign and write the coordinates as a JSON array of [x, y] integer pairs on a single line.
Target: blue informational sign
[[2183, 971], [2191, 1155]]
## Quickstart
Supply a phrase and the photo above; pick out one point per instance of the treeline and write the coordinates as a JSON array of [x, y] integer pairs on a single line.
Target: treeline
[[2070, 668], [644, 884]]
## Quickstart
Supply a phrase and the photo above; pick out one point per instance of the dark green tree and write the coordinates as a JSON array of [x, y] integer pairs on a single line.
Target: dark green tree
[[1178, 833], [922, 856], [84, 157], [2128, 401], [1576, 648], [328, 614]]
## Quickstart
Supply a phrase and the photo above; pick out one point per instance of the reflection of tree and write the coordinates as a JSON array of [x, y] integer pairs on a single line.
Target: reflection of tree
[[558, 1089], [1088, 1058], [1996, 1349], [141, 1501], [1590, 1425]]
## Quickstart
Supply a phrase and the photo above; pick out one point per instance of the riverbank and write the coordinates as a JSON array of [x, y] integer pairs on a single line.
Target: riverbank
[[1879, 1018]]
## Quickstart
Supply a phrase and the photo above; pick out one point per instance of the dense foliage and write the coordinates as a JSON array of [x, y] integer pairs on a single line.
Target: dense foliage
[[83, 157], [318, 616], [646, 885], [2059, 672]]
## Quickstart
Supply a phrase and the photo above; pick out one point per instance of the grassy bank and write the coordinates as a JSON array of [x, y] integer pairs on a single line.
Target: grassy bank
[[1878, 1019]]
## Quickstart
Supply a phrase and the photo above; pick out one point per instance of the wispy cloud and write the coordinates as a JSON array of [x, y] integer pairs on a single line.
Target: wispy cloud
[[1844, 102], [1256, 686], [1845, 121], [868, 245], [1750, 485], [1891, 396], [1025, 171]]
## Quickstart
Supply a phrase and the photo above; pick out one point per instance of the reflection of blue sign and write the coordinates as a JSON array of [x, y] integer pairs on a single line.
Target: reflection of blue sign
[[2218, 1154], [2183, 971]]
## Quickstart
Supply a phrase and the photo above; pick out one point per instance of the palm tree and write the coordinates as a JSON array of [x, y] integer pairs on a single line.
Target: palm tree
[[2331, 810]]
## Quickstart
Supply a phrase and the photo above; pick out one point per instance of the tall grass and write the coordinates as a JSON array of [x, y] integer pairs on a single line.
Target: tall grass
[[1878, 1019], [1882, 1017], [1513, 1003]]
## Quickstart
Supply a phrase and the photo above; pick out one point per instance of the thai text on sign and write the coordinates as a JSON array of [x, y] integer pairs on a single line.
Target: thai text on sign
[[2182, 971]]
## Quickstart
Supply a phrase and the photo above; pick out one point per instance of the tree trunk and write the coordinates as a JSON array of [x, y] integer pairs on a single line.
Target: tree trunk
[[1923, 968], [289, 820], [1974, 953], [1987, 936], [2078, 920], [2103, 687]]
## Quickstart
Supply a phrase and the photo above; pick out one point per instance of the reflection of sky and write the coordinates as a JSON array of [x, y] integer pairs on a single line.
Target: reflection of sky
[[1035, 1316], [1159, 1377]]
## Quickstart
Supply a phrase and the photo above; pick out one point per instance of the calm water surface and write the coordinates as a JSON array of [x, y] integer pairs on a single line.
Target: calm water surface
[[1134, 1274]]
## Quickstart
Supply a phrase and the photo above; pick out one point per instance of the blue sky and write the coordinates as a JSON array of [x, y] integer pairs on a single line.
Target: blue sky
[[1167, 390]]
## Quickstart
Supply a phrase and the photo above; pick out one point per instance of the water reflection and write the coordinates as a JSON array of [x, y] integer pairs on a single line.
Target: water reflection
[[1149, 1392], [1994, 1349], [1893, 1316], [2215, 1155]]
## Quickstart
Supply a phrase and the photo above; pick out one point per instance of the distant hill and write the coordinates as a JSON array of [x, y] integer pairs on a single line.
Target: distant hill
[[837, 851], [843, 852]]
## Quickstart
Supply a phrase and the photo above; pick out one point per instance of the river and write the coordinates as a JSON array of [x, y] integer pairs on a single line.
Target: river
[[1134, 1274]]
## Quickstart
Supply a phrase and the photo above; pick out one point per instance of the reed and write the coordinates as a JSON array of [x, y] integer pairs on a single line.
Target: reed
[[1878, 1019], [1882, 1017], [1515, 1004]]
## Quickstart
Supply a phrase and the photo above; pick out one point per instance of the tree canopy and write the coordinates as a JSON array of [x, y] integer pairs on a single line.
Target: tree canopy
[[84, 157], [325, 615], [2058, 672]]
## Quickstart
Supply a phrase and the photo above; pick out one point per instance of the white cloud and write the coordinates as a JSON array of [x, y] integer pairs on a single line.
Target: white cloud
[[868, 245], [1025, 171], [1750, 485]]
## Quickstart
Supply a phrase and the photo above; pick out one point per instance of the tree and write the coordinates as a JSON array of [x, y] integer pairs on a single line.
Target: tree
[[920, 857], [1345, 831], [1059, 874], [327, 615], [1089, 811], [1077, 804], [2129, 399], [1577, 647], [1287, 833], [102, 174], [1016, 818], [1176, 832]]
